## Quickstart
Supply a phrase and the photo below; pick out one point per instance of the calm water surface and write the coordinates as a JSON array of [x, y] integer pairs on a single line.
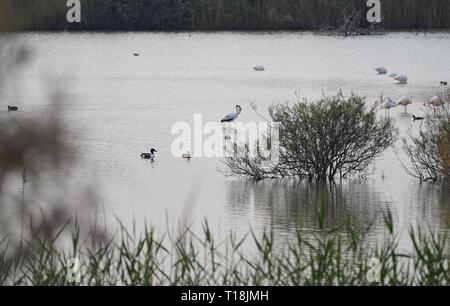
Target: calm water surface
[[119, 106]]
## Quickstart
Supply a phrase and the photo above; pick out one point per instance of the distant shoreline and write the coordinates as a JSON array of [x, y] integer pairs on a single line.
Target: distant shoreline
[[313, 31], [221, 15]]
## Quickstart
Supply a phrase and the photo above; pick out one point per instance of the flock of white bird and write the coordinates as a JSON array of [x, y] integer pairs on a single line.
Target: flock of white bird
[[386, 104], [434, 103], [401, 78]]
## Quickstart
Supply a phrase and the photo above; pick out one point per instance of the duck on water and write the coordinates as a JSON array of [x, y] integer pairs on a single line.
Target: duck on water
[[259, 68], [150, 156]]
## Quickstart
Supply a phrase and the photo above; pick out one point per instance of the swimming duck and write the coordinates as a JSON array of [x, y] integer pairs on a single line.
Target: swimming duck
[[150, 155], [187, 155]]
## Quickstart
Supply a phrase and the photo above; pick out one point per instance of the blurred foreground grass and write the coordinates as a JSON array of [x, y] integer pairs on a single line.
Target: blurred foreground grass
[[323, 259]]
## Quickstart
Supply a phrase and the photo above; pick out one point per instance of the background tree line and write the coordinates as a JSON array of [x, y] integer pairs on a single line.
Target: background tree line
[[191, 15]]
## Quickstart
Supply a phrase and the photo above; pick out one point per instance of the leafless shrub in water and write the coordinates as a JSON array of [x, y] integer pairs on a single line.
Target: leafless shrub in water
[[429, 152], [335, 137]]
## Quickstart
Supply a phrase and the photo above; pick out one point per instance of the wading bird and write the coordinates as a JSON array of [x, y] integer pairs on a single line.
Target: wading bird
[[150, 155], [405, 101], [402, 79], [232, 116], [434, 103], [387, 105], [381, 70]]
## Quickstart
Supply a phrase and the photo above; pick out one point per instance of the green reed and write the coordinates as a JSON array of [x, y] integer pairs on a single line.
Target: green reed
[[336, 256]]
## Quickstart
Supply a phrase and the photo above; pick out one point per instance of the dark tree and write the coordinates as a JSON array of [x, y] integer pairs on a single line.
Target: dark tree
[[194, 15]]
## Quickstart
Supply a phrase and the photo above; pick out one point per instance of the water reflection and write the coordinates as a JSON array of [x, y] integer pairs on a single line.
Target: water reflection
[[433, 206], [286, 205], [117, 110]]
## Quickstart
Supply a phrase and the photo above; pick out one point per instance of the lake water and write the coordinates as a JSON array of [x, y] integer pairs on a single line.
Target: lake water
[[119, 105]]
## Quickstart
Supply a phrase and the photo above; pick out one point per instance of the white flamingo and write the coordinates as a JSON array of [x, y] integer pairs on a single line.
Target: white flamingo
[[402, 79], [387, 105], [405, 101], [230, 118], [233, 116], [381, 70], [434, 103]]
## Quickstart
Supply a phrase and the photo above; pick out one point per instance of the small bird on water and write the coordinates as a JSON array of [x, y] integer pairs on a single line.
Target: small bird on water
[[12, 108], [418, 118], [150, 156], [187, 155]]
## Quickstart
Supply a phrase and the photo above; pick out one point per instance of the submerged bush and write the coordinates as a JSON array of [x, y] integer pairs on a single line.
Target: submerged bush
[[335, 137], [429, 152]]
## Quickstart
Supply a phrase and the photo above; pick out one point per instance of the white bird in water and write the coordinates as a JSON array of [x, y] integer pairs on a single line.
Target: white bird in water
[[381, 70], [233, 116], [434, 103], [230, 118], [387, 105], [405, 101], [259, 68], [402, 79]]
